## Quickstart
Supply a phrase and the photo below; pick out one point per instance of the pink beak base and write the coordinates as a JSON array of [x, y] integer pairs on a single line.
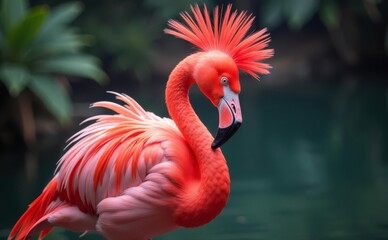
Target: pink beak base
[[230, 119]]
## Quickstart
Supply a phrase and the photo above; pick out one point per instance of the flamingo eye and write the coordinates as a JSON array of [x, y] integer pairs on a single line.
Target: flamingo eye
[[224, 81]]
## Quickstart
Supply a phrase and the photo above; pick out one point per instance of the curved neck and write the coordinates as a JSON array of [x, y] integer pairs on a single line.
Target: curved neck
[[210, 196]]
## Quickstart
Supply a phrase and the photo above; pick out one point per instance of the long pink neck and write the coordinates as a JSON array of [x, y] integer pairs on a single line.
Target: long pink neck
[[199, 204]]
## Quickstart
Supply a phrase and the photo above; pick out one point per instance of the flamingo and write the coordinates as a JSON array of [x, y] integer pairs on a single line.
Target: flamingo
[[134, 175]]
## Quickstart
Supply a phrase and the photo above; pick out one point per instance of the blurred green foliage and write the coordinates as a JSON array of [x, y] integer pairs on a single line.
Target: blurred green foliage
[[38, 45], [358, 28], [126, 31], [297, 13]]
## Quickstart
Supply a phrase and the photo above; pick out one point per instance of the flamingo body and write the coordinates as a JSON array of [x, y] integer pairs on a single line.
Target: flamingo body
[[150, 161], [132, 175]]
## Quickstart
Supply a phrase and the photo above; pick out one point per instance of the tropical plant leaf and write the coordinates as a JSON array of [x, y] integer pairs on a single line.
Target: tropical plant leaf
[[26, 30], [299, 12], [80, 65], [59, 18], [330, 14], [12, 11], [53, 96], [14, 77], [2, 43], [65, 42], [35, 45], [271, 13]]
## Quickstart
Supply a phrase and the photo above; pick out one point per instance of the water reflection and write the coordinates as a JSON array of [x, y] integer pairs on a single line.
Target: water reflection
[[310, 162]]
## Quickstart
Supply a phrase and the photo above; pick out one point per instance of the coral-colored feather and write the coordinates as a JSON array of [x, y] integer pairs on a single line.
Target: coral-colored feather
[[113, 154], [228, 34], [36, 213]]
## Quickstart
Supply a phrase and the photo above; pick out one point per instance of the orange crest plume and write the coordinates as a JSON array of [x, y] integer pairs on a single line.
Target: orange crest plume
[[228, 34]]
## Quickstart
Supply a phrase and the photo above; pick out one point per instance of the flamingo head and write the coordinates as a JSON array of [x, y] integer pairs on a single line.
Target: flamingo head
[[225, 48], [217, 76]]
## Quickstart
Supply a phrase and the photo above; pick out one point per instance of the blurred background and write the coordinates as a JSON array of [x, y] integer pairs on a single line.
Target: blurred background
[[310, 160]]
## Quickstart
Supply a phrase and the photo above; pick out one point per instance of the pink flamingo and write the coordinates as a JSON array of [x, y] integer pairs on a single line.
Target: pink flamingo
[[134, 175]]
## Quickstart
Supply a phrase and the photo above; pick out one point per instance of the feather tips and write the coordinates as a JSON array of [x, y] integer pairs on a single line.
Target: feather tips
[[229, 34], [113, 153]]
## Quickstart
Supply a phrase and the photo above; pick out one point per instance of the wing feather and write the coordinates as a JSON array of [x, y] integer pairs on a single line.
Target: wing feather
[[116, 152]]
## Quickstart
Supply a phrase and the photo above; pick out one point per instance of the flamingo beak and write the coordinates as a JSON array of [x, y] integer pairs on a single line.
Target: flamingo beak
[[230, 118]]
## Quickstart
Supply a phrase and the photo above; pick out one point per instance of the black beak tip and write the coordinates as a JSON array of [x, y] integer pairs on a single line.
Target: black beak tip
[[215, 145], [223, 135]]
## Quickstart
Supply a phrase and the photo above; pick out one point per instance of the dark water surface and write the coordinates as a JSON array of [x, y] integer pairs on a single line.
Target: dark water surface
[[309, 162]]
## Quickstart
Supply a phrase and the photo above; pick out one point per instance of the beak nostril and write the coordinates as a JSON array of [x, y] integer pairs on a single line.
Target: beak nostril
[[234, 108]]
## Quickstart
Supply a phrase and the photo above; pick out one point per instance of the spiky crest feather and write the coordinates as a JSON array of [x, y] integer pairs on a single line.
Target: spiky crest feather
[[227, 33]]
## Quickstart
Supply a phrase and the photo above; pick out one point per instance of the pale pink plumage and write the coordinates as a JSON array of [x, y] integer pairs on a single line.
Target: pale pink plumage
[[121, 168]]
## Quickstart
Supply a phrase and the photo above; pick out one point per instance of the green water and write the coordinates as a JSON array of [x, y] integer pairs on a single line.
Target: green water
[[309, 162]]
